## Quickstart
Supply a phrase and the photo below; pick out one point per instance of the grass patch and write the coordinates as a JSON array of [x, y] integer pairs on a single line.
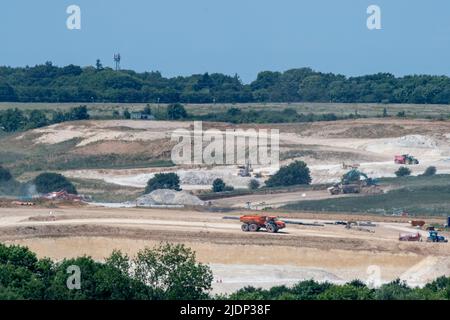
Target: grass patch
[[101, 191], [417, 195]]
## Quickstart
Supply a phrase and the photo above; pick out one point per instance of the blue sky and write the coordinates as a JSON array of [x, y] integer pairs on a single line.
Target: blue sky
[[182, 37]]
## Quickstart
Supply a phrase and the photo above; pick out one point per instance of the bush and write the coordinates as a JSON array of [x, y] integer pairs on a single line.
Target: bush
[[220, 186], [78, 113], [163, 181], [5, 175], [253, 184], [293, 174], [52, 182], [430, 171], [403, 171], [176, 111]]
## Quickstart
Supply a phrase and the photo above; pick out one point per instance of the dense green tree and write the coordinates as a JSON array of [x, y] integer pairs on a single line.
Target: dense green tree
[[5, 175], [176, 112], [253, 184], [218, 185], [78, 113], [12, 120], [163, 181], [98, 65], [37, 119], [430, 171], [292, 174], [7, 93], [49, 83], [173, 272], [346, 292], [52, 182], [126, 114], [403, 171]]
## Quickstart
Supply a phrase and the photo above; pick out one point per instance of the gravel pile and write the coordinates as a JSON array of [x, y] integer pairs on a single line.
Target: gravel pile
[[168, 197]]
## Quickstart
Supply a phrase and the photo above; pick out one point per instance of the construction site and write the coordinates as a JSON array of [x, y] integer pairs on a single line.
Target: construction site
[[334, 248], [247, 237]]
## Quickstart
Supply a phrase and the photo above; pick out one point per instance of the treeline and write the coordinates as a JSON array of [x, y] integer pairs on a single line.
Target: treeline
[[287, 115], [167, 272], [49, 83], [12, 120], [439, 289]]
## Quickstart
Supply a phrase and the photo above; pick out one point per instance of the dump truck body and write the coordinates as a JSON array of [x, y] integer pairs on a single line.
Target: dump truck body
[[255, 223], [405, 159], [417, 223], [410, 237]]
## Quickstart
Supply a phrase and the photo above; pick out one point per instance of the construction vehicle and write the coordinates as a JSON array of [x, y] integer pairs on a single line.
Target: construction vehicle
[[405, 159], [350, 166], [435, 237], [354, 181], [245, 171], [255, 223], [410, 237], [417, 223]]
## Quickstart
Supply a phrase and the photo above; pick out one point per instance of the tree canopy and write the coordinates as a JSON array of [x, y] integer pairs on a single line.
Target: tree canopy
[[5, 175], [50, 83], [53, 182], [292, 174], [165, 272], [163, 181]]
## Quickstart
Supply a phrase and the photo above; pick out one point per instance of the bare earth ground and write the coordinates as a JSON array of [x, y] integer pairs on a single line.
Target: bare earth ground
[[330, 253], [324, 146]]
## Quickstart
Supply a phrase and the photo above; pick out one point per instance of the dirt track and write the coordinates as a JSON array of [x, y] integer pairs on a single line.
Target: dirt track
[[300, 252]]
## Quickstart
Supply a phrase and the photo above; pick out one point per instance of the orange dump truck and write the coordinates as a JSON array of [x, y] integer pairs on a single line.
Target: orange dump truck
[[255, 223]]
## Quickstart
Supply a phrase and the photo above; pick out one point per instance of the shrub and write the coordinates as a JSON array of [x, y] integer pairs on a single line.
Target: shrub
[[51, 182], [430, 171], [163, 181], [293, 174], [5, 175], [218, 185], [78, 113], [176, 111], [253, 184], [403, 171]]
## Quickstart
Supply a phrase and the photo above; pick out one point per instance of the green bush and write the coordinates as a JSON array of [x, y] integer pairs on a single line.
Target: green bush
[[253, 184], [220, 186], [5, 175], [163, 181], [52, 182], [403, 172], [293, 174], [430, 171], [176, 112]]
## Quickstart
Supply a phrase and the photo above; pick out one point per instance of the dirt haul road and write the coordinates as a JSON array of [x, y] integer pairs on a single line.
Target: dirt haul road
[[330, 252], [275, 200]]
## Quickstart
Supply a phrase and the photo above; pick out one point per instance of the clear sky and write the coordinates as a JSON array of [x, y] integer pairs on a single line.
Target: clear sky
[[182, 37]]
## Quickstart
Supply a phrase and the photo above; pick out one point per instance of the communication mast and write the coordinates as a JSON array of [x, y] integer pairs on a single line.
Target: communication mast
[[117, 61]]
